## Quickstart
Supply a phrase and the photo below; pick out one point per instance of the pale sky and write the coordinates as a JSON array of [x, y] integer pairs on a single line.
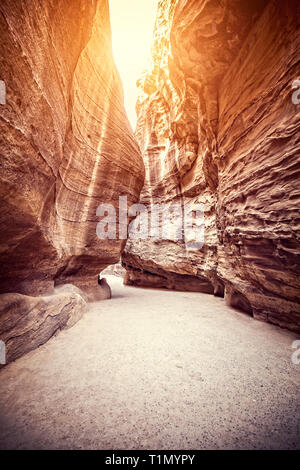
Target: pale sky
[[132, 24]]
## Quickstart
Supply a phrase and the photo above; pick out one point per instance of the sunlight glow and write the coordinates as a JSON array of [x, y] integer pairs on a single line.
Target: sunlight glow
[[132, 23]]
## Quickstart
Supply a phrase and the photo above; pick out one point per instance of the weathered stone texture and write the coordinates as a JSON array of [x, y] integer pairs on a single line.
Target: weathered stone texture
[[217, 126], [65, 142], [27, 322]]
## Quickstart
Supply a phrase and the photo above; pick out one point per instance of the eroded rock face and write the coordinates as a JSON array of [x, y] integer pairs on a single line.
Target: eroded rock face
[[65, 142], [27, 322], [217, 126]]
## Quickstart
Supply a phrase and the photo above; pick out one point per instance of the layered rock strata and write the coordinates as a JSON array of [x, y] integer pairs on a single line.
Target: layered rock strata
[[66, 146], [27, 322], [217, 126]]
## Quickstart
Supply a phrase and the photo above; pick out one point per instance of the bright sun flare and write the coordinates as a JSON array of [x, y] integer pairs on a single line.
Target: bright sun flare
[[132, 23]]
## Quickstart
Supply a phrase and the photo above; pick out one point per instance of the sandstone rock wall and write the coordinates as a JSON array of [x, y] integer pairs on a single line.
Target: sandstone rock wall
[[259, 149], [65, 144], [217, 126]]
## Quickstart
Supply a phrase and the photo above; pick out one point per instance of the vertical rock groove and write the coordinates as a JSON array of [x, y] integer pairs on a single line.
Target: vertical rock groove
[[66, 146]]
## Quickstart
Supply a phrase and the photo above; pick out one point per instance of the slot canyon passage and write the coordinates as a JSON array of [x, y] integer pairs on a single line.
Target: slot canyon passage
[[196, 349]]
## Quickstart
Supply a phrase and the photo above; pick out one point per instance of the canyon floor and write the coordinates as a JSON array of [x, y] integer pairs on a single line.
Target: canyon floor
[[153, 369]]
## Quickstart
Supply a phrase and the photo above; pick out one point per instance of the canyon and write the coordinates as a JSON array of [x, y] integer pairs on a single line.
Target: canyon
[[216, 126], [165, 351]]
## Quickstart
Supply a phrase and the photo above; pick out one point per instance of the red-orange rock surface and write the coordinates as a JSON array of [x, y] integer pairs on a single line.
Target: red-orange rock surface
[[65, 143], [217, 126]]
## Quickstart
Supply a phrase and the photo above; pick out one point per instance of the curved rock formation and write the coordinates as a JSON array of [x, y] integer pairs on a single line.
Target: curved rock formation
[[66, 145], [217, 126], [27, 322]]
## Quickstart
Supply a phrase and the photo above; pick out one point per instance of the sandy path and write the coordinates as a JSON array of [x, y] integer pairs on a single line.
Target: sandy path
[[155, 370]]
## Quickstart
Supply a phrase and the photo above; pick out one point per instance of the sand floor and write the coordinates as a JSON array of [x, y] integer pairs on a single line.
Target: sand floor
[[152, 369]]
